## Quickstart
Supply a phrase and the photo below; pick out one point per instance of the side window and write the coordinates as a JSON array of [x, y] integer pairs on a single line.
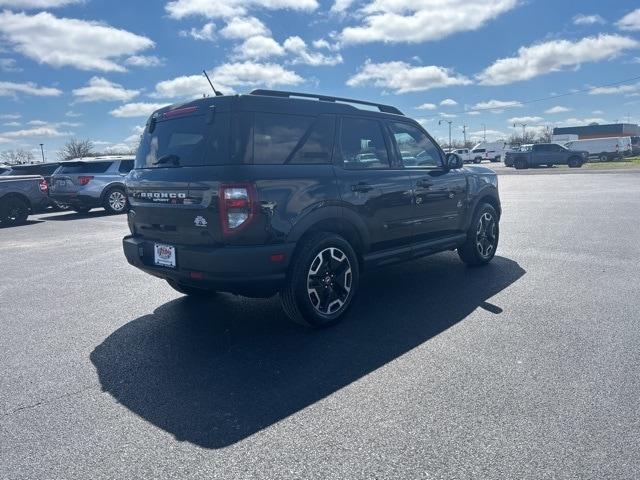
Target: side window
[[125, 166], [416, 149], [362, 144], [317, 143], [276, 136]]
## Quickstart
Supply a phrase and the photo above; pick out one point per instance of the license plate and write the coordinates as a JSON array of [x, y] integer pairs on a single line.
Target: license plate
[[165, 255]]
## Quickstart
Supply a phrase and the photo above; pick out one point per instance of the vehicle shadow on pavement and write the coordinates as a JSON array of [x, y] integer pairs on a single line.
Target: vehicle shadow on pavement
[[71, 215], [213, 372], [24, 224]]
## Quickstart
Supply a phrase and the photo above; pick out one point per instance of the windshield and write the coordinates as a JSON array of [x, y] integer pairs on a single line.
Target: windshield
[[185, 141]]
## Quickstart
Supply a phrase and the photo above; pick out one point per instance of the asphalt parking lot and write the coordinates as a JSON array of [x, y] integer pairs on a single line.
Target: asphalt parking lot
[[527, 368]]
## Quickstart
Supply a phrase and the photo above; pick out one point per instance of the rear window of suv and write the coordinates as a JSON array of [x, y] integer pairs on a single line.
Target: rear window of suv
[[84, 167], [194, 140]]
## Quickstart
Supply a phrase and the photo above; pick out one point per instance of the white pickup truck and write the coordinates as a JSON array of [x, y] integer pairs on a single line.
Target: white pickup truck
[[464, 153]]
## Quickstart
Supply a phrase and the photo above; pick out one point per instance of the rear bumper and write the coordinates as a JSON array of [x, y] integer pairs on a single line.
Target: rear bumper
[[76, 200], [243, 270]]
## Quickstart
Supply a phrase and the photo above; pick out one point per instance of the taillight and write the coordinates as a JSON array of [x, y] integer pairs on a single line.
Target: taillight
[[84, 179], [237, 204], [44, 186]]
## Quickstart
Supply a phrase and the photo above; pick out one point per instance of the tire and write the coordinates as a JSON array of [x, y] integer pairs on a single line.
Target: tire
[[477, 160], [82, 210], [14, 211], [603, 157], [115, 201], [520, 164], [482, 237], [191, 291], [574, 162], [495, 159], [322, 281]]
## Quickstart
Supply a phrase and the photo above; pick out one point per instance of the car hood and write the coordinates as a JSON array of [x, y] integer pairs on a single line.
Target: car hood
[[479, 169]]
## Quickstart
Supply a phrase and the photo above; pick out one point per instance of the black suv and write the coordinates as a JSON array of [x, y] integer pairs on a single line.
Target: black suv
[[298, 194]]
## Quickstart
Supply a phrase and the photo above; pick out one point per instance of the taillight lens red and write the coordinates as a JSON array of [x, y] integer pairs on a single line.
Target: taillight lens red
[[44, 186], [237, 203], [85, 179]]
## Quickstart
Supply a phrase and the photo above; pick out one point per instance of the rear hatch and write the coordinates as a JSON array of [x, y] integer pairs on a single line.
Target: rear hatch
[[71, 176], [184, 156]]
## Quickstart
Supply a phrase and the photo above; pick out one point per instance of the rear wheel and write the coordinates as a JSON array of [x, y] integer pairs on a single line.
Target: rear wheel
[[477, 160], [191, 291], [603, 157], [482, 237], [115, 200], [14, 211], [322, 281]]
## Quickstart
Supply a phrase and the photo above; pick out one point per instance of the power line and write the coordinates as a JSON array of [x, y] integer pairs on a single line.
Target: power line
[[550, 97]]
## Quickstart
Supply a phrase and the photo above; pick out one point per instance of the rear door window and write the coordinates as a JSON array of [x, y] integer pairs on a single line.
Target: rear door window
[[191, 140], [362, 144], [276, 137], [125, 166], [84, 167]]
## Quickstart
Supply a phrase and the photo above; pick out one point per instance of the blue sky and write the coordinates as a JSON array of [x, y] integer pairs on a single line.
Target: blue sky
[[96, 68]]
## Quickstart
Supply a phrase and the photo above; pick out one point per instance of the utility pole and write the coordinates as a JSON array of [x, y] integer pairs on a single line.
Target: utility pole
[[42, 151], [484, 136], [449, 122], [464, 135]]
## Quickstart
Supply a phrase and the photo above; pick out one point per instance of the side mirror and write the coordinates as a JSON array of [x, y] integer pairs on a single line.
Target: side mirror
[[453, 161]]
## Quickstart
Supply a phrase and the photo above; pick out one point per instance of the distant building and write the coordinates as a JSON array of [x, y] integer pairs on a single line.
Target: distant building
[[600, 131]]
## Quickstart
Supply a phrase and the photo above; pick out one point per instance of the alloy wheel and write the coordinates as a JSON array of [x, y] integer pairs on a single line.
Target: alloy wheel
[[117, 200], [329, 281], [486, 235]]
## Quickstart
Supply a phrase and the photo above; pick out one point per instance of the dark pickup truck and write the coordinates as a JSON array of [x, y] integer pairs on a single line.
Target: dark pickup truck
[[21, 196], [548, 154]]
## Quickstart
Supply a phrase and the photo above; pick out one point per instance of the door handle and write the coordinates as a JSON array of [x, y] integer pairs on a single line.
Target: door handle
[[424, 183], [361, 187]]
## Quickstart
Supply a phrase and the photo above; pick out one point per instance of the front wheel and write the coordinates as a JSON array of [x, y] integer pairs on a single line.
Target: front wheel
[[14, 211], [574, 162], [520, 164], [482, 237], [322, 281], [477, 160]]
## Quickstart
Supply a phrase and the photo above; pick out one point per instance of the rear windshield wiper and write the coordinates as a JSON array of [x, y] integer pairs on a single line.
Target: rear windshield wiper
[[175, 159]]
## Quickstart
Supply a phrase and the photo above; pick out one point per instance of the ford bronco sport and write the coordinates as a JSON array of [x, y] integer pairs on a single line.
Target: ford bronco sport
[[298, 194]]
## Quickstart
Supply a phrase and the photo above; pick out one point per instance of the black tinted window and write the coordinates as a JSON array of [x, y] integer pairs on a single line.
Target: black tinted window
[[84, 167], [34, 169], [362, 144], [317, 143], [479, 150], [543, 148], [276, 137], [125, 166], [416, 149], [191, 139]]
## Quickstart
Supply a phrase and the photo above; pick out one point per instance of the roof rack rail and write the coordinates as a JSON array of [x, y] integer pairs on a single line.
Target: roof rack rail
[[326, 98]]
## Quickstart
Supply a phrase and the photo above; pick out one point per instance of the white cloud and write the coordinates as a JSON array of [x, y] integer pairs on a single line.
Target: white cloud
[[244, 27], [473, 112], [557, 109], [448, 102], [631, 21], [144, 61], [258, 48], [417, 21], [597, 112], [129, 110], [426, 106], [69, 42], [402, 77], [10, 116], [322, 43], [448, 115], [35, 132], [12, 124], [582, 121], [301, 54], [73, 114], [552, 56], [206, 33], [100, 89], [525, 120], [496, 104], [341, 6], [9, 65], [12, 89], [489, 133], [225, 78], [27, 4], [615, 90], [581, 19], [230, 8]]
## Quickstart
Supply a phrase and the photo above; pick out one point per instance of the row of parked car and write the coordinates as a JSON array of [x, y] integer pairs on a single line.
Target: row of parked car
[[79, 184]]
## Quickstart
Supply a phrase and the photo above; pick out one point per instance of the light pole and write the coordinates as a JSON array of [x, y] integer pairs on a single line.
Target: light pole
[[449, 122], [484, 128], [42, 151], [524, 126], [464, 135]]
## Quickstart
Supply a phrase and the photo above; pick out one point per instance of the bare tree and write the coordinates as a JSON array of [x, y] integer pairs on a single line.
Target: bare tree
[[516, 139], [16, 157], [545, 135], [75, 148]]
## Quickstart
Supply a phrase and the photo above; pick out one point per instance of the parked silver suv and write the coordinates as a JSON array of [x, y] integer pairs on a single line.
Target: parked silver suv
[[87, 183]]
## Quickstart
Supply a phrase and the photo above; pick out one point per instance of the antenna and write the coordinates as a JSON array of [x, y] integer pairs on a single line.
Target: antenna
[[212, 87]]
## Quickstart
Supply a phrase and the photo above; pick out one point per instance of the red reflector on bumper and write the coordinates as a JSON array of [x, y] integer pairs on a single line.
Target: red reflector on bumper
[[277, 257], [196, 275]]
